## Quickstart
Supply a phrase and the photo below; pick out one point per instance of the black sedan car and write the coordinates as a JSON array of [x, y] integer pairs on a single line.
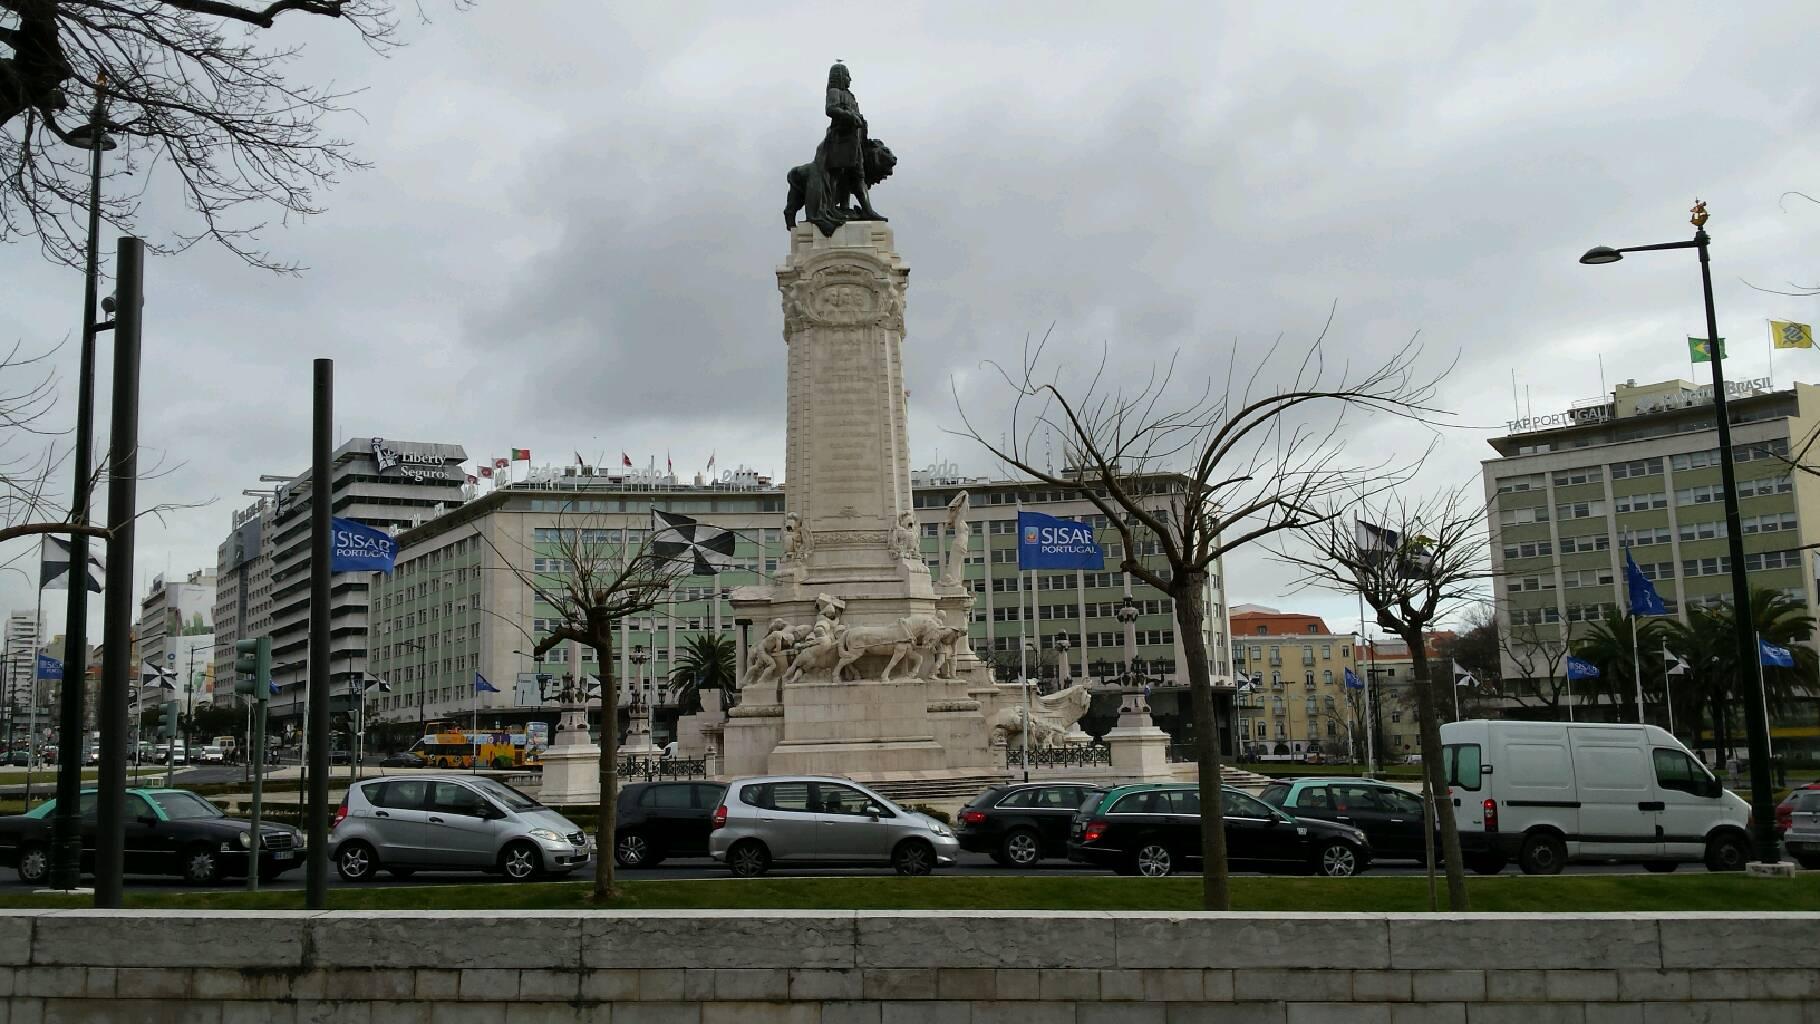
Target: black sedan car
[[1155, 830], [168, 832], [1021, 824], [656, 820], [404, 759]]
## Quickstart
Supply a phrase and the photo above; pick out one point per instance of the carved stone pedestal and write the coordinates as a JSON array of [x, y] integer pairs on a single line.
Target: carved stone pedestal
[[1139, 749], [571, 765]]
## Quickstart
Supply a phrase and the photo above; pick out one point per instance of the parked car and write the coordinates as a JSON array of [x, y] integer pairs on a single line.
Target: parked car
[[1390, 816], [407, 824], [1547, 793], [211, 755], [1154, 829], [19, 758], [1803, 838], [798, 819], [656, 820], [168, 832], [173, 754], [1022, 823], [1787, 806], [404, 759]]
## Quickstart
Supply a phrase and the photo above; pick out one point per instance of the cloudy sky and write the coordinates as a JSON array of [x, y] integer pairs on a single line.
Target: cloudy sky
[[568, 237]]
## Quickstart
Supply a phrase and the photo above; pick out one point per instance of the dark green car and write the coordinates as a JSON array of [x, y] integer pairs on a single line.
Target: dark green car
[[1154, 829], [168, 832]]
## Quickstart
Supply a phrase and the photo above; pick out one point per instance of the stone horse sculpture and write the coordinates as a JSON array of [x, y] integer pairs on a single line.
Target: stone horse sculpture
[[1050, 719]]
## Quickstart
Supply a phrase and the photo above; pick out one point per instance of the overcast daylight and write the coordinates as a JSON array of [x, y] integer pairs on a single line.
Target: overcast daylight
[[1025, 442], [567, 236]]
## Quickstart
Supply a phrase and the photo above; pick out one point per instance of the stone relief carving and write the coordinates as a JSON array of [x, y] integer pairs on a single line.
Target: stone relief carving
[[822, 644], [772, 654], [903, 539], [844, 294], [1051, 718], [796, 547]]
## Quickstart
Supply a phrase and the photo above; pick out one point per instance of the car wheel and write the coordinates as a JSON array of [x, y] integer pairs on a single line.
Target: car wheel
[[1338, 860], [402, 874], [1486, 865], [632, 850], [1152, 859], [1542, 854], [1660, 867], [520, 862], [1727, 853], [356, 862], [201, 866], [913, 858], [748, 858], [1021, 848], [34, 863]]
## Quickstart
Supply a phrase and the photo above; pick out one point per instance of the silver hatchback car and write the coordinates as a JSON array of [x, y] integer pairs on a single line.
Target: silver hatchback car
[[817, 820], [451, 823]]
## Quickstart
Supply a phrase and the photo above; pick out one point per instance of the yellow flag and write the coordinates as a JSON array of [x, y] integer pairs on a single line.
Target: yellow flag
[[1786, 334]]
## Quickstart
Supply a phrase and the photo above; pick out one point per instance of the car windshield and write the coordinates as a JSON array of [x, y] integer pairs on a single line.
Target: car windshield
[[511, 798], [186, 806]]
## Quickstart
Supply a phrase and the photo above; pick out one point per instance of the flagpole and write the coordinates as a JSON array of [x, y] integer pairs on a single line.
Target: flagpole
[[1763, 693], [1371, 721], [1668, 694]]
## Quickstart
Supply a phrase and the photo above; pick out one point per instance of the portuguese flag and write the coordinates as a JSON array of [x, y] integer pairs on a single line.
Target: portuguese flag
[[521, 455]]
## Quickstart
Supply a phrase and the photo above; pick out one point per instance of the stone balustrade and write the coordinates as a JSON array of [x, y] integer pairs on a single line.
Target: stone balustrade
[[814, 967]]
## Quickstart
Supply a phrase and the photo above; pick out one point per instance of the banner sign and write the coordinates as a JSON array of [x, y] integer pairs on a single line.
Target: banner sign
[[49, 667], [357, 547], [1050, 542]]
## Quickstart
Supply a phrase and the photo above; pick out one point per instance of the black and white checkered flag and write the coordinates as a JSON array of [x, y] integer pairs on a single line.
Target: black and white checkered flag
[[54, 565], [678, 538]]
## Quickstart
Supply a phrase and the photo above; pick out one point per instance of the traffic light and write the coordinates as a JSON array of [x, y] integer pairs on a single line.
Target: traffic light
[[253, 668], [167, 720]]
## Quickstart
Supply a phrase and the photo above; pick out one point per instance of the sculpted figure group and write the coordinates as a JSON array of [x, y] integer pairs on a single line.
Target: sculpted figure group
[[790, 653]]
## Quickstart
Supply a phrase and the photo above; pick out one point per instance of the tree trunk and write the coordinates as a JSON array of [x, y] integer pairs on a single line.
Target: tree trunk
[[1190, 611], [604, 879], [1436, 773]]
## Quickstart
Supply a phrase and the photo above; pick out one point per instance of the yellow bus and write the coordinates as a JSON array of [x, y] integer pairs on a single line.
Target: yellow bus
[[460, 748]]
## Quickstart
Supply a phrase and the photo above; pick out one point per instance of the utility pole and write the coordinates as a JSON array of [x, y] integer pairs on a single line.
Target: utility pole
[[321, 501]]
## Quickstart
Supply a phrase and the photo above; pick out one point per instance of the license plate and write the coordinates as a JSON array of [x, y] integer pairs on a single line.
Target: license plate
[[282, 854]]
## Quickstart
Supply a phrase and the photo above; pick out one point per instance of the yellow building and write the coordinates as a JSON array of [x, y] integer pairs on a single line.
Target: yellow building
[[1297, 705]]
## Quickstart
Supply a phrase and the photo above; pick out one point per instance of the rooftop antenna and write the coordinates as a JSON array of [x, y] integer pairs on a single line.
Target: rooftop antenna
[[1601, 375], [1516, 402]]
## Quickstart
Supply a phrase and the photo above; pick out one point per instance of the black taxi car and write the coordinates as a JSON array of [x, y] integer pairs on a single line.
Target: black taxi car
[[1155, 830], [168, 832]]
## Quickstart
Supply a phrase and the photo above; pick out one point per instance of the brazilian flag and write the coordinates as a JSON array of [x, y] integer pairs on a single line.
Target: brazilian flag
[[1700, 350]]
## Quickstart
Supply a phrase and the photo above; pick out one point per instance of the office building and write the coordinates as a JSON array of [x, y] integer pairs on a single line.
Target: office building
[[176, 632], [24, 636], [459, 603], [378, 481], [1638, 469]]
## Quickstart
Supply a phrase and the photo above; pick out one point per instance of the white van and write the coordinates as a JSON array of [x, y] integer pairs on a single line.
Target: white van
[[1545, 793]]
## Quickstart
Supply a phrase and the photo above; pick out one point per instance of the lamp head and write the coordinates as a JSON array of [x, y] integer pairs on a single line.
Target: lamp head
[[1601, 254], [84, 136]]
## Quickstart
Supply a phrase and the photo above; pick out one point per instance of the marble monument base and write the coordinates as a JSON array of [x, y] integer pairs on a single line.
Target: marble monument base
[[571, 775]]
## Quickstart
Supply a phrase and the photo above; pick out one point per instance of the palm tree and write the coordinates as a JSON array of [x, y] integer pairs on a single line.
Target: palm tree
[[706, 662], [1607, 644], [1708, 643]]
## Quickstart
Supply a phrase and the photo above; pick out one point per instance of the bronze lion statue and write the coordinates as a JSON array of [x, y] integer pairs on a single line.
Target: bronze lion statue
[[879, 163]]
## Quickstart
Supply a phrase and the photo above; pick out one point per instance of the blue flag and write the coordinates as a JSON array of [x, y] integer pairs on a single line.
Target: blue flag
[[273, 687], [49, 667], [1643, 597], [1770, 655], [357, 547], [1353, 682], [482, 686], [1051, 542], [1580, 668]]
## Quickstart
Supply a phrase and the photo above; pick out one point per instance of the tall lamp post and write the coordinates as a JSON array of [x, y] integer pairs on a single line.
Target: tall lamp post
[[66, 841], [639, 657], [1763, 804]]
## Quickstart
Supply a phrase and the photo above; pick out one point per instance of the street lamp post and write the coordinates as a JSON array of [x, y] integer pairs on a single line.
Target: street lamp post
[[1030, 654], [1763, 805], [66, 837], [639, 657]]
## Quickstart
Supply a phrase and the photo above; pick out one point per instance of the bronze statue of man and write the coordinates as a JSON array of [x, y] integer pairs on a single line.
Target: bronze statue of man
[[847, 163]]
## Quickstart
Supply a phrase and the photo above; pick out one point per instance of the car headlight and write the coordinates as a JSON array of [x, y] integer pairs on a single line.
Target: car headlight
[[246, 840], [301, 840], [544, 835]]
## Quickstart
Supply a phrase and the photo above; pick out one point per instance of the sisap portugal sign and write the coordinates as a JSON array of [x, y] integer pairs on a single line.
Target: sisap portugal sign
[[356, 547], [1050, 542]]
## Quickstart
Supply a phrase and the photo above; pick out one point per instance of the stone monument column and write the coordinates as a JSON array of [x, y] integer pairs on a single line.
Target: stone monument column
[[847, 460]]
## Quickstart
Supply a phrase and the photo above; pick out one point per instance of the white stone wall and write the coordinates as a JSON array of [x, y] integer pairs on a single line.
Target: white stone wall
[[865, 967]]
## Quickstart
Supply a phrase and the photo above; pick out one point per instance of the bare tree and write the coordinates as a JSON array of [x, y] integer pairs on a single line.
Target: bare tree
[[1426, 559], [598, 576], [1539, 654], [1191, 479], [199, 85]]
